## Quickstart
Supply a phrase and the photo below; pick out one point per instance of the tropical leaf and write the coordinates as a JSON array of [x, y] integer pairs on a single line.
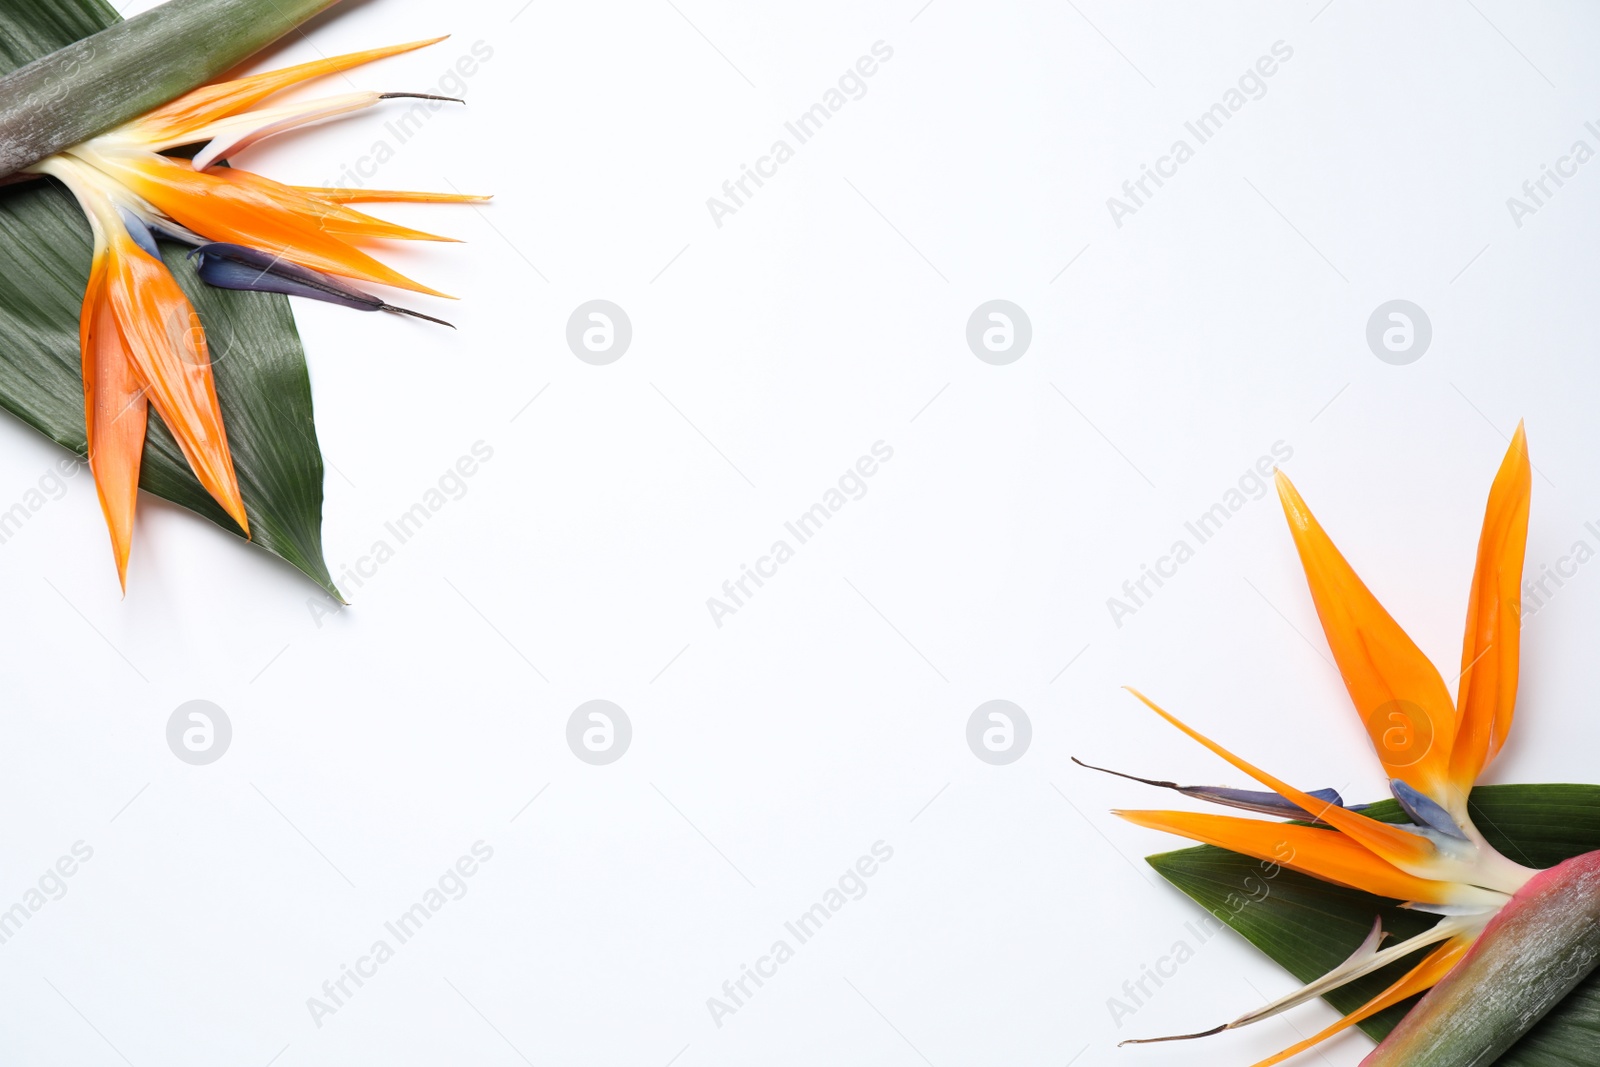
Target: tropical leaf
[[80, 86], [1309, 926], [261, 377]]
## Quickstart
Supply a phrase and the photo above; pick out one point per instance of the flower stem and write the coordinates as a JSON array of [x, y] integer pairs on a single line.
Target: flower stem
[[1529, 956]]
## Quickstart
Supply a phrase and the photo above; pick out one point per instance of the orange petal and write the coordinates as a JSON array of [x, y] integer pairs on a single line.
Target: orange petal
[[1324, 854], [330, 214], [338, 195], [1419, 979], [1488, 691], [211, 102], [115, 413], [1407, 851], [243, 213], [167, 349], [1399, 695]]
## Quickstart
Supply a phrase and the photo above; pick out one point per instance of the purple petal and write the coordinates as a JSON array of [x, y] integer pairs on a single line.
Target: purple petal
[[1263, 801], [139, 232], [1424, 810], [230, 266]]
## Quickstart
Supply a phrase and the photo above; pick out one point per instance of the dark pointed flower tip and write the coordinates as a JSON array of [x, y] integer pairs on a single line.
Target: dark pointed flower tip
[[416, 315], [1172, 1037], [231, 266], [1424, 810], [1258, 800], [420, 96]]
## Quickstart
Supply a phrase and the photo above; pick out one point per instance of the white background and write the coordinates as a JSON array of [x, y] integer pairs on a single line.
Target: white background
[[373, 747]]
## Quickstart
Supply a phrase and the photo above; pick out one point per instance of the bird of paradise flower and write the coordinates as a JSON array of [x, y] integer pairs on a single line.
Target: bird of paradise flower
[[141, 341], [1432, 749]]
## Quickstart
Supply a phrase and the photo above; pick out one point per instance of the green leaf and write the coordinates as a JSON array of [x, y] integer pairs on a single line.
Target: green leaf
[[71, 85], [262, 382], [1309, 927]]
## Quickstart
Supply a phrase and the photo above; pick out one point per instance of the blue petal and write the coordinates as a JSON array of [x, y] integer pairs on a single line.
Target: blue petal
[[139, 232], [1264, 801], [230, 266], [1424, 810]]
